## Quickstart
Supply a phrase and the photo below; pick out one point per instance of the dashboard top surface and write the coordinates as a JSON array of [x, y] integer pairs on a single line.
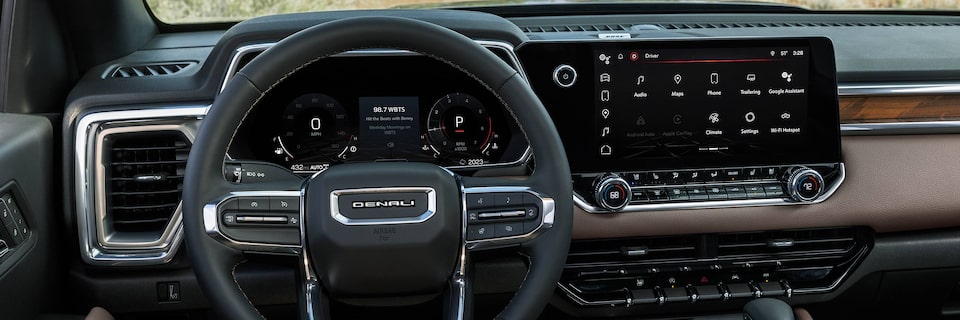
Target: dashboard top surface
[[924, 58]]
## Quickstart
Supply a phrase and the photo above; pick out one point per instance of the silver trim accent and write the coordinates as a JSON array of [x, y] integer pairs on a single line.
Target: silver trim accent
[[506, 47], [211, 223], [580, 301], [88, 178], [4, 248], [556, 75], [235, 60], [586, 206], [884, 128], [904, 88], [460, 277], [548, 213], [426, 215]]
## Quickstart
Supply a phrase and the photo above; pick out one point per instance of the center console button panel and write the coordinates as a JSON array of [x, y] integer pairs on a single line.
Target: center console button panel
[[660, 272]]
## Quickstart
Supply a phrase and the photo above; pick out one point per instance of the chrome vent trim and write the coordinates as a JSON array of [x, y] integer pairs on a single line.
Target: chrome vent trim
[[149, 70], [100, 245]]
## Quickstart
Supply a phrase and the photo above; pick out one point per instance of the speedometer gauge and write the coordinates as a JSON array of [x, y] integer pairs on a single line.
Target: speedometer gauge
[[459, 123], [314, 133]]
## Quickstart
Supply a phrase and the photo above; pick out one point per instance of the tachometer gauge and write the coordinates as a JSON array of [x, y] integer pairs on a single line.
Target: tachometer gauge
[[315, 132], [459, 123]]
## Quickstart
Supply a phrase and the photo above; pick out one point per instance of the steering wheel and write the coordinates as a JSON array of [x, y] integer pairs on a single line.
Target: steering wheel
[[377, 233]]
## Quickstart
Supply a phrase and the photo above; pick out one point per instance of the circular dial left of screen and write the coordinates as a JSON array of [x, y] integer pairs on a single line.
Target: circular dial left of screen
[[314, 134]]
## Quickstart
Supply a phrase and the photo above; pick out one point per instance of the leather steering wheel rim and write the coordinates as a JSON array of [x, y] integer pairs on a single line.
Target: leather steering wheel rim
[[214, 263]]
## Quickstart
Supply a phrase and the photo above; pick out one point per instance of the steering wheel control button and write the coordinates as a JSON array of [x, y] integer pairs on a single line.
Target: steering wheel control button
[[284, 204], [564, 76], [804, 184], [480, 232], [508, 199], [531, 212], [508, 229], [230, 219], [254, 204], [480, 200], [613, 193]]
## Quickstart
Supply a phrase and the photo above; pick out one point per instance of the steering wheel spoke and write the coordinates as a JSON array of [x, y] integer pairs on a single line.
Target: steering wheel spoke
[[458, 298], [502, 212], [312, 302], [265, 217]]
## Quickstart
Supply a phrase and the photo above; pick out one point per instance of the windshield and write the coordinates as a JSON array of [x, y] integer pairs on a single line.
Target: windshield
[[206, 11]]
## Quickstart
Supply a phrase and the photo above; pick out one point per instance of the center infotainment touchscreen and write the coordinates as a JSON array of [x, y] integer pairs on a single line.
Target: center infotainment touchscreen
[[654, 103], [676, 104]]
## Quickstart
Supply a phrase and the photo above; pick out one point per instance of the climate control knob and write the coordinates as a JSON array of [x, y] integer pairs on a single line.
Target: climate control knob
[[804, 184], [612, 193]]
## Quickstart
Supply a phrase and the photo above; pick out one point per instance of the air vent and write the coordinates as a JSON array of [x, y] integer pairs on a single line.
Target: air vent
[[774, 263], [144, 173], [148, 70], [785, 244], [680, 26], [632, 250], [577, 28]]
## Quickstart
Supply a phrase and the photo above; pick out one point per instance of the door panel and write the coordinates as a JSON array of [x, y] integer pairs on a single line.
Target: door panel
[[28, 268]]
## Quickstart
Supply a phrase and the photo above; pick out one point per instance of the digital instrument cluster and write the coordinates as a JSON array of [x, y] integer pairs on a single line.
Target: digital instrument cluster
[[401, 107]]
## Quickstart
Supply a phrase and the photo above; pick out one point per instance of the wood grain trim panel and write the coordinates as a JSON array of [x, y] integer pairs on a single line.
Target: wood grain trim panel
[[865, 109], [893, 183]]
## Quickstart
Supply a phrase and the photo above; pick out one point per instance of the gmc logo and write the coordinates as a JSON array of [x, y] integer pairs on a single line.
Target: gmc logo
[[383, 204]]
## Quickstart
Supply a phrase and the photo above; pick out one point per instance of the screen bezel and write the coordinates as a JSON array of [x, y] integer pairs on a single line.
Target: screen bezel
[[569, 106]]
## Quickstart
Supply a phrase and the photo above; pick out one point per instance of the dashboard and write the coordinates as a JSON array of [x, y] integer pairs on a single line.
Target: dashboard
[[379, 106], [802, 166]]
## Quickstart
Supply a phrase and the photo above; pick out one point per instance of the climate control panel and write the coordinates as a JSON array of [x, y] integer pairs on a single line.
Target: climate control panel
[[706, 188]]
